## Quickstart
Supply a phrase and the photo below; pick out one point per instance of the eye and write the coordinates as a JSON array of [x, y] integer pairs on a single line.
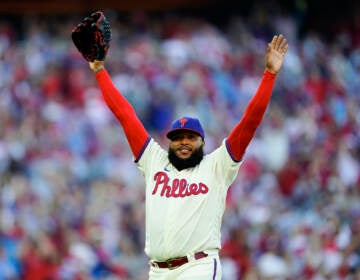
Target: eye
[[176, 138]]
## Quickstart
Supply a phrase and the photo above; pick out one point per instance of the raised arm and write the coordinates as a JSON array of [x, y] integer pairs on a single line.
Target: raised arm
[[92, 37], [240, 137], [134, 130]]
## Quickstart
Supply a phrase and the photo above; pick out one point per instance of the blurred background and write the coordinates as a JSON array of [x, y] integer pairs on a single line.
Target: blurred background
[[71, 198]]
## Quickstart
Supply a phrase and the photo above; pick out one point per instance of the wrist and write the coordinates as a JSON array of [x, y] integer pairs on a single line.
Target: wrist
[[98, 70], [269, 72], [96, 66]]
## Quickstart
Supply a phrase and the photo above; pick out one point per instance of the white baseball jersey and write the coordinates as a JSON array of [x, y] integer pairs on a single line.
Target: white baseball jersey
[[184, 209]]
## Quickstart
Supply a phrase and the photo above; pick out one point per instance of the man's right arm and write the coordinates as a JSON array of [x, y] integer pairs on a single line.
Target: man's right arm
[[134, 130]]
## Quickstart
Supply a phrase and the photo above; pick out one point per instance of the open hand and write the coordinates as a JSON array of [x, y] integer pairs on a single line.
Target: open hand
[[275, 53]]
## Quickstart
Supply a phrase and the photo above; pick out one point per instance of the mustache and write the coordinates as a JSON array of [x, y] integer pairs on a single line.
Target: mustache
[[182, 146]]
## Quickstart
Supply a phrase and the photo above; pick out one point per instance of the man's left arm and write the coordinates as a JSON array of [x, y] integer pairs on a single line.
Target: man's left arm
[[240, 137]]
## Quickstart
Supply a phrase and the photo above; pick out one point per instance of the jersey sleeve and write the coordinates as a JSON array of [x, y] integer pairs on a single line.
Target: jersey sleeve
[[153, 157], [134, 130], [222, 166], [240, 137]]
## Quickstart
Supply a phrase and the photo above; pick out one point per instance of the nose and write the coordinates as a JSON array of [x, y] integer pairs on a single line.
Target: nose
[[184, 139]]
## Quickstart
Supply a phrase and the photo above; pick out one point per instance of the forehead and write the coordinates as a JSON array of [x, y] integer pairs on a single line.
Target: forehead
[[184, 133]]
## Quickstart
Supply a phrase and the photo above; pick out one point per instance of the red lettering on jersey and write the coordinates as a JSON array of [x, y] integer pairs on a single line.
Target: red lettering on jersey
[[166, 190], [161, 179], [178, 187], [182, 191], [203, 188], [194, 189], [175, 187]]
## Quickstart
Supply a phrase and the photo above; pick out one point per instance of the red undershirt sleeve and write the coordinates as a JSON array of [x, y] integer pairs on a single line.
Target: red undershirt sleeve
[[241, 135], [134, 130]]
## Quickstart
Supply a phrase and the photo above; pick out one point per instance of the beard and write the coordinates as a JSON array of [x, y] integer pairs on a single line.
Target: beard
[[181, 163]]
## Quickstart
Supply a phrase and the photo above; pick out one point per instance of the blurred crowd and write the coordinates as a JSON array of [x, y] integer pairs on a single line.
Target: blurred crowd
[[72, 199]]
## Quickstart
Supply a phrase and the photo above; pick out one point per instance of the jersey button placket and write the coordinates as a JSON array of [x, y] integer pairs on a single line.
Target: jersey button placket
[[167, 227]]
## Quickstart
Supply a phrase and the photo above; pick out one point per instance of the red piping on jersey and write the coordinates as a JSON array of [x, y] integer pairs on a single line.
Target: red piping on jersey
[[135, 132], [241, 135]]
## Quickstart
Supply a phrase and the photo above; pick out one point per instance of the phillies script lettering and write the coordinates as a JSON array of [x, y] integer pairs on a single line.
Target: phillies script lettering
[[178, 188]]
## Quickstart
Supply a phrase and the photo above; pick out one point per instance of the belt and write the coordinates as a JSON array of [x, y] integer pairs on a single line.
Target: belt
[[176, 262]]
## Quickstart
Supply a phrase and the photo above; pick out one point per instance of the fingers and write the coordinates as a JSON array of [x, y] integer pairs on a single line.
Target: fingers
[[279, 43], [284, 49], [283, 46]]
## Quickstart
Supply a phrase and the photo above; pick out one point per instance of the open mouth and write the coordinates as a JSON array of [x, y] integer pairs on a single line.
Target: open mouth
[[184, 150]]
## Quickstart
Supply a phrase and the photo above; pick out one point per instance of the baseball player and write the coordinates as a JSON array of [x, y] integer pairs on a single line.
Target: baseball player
[[185, 189]]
